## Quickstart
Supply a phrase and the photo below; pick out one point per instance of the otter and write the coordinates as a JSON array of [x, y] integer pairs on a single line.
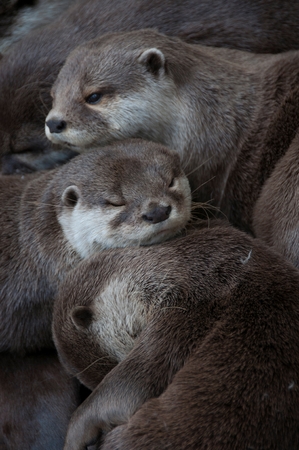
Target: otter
[[37, 400], [133, 193], [168, 91], [29, 69], [199, 349]]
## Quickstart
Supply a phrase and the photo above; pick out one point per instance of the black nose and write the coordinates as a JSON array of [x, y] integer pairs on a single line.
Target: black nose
[[56, 126], [158, 214]]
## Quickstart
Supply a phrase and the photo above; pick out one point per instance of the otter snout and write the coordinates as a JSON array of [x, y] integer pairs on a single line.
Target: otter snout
[[56, 125], [157, 214]]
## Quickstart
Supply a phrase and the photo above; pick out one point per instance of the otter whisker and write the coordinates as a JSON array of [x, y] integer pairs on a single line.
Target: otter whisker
[[95, 362], [199, 166], [201, 185]]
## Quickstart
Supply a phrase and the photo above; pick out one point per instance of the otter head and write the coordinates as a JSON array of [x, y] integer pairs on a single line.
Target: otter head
[[112, 88], [129, 194], [98, 320]]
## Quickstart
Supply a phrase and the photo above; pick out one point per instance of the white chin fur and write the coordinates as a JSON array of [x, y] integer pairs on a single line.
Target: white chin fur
[[88, 231]]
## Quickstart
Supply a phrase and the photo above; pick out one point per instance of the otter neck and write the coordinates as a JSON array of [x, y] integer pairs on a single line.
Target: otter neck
[[210, 125]]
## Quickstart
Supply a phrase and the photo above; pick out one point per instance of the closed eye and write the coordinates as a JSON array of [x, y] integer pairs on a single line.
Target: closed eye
[[171, 184], [114, 203]]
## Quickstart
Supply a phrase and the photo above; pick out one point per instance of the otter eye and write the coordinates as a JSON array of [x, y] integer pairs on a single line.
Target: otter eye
[[171, 184], [113, 203], [94, 98]]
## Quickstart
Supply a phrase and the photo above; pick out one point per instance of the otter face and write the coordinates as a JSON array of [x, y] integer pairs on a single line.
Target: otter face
[[135, 200], [102, 95]]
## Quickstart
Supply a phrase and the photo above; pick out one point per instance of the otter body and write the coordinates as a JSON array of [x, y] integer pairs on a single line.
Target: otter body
[[129, 194], [203, 345], [30, 67]]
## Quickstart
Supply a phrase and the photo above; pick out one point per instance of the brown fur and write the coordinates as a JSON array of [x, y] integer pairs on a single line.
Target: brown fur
[[36, 248], [216, 364], [275, 218], [37, 399], [29, 69]]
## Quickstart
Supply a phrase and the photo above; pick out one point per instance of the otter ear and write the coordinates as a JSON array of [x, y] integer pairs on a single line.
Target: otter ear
[[154, 60], [82, 317], [70, 196]]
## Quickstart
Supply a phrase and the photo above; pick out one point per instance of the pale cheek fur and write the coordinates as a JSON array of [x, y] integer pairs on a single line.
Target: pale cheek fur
[[84, 227]]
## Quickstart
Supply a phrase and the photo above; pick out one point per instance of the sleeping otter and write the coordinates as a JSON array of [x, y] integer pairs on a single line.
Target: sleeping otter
[[130, 194], [203, 345]]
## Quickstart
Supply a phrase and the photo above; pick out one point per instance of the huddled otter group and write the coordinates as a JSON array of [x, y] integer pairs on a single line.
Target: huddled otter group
[[190, 343], [216, 107]]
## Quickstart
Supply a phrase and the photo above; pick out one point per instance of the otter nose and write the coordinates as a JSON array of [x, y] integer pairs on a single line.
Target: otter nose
[[56, 125], [158, 214]]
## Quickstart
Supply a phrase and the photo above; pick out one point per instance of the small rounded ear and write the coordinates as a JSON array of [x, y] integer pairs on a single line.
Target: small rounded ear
[[154, 60], [82, 317], [71, 196]]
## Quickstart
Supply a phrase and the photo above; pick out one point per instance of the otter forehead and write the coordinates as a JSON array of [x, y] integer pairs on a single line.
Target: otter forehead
[[88, 69], [132, 171]]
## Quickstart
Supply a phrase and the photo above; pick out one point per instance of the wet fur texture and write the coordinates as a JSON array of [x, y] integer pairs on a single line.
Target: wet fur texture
[[216, 364], [50, 221], [37, 398], [28, 70]]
